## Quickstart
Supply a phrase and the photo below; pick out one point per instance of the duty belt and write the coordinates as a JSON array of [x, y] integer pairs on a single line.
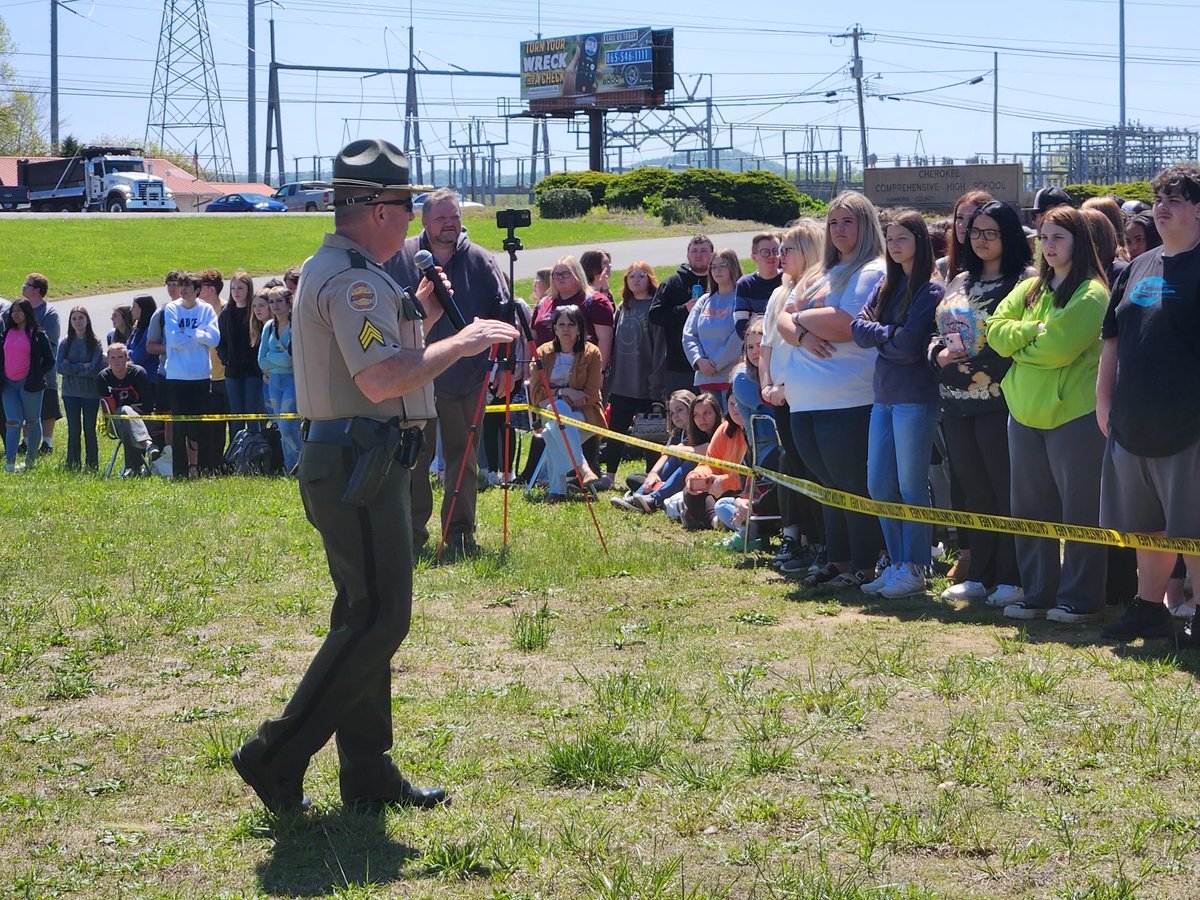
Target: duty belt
[[377, 446]]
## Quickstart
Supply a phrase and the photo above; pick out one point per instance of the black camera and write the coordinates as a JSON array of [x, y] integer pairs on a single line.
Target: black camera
[[513, 218]]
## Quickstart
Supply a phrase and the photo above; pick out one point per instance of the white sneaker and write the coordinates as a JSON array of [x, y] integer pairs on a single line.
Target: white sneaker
[[885, 578], [1005, 595], [906, 583], [968, 590], [493, 478]]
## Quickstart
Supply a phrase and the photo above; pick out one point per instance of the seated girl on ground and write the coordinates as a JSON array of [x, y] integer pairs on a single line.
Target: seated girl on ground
[[704, 414], [705, 484]]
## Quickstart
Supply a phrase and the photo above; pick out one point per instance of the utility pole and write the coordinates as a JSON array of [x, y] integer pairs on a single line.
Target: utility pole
[[412, 121], [1121, 137], [856, 72], [995, 108], [53, 76], [251, 95]]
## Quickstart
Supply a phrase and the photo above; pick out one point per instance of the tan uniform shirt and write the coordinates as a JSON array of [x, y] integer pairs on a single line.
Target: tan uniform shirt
[[349, 315]]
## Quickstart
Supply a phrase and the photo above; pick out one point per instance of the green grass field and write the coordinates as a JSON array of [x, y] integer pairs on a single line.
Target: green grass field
[[83, 255], [660, 722]]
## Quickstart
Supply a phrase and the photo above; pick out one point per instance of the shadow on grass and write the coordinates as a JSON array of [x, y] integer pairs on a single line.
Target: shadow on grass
[[930, 607], [315, 856]]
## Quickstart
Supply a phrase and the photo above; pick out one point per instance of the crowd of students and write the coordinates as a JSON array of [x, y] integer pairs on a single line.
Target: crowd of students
[[859, 351], [867, 347], [200, 354]]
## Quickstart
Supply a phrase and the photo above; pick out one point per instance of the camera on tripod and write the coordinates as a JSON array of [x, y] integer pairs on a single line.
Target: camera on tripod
[[513, 218]]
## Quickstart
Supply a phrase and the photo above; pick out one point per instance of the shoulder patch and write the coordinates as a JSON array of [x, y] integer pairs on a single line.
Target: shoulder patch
[[361, 296], [369, 335]]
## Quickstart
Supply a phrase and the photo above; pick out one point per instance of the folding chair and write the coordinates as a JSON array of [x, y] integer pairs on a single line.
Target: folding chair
[[106, 427], [751, 518]]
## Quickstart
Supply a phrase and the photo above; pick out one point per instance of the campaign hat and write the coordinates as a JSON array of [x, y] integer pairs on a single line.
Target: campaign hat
[[376, 164]]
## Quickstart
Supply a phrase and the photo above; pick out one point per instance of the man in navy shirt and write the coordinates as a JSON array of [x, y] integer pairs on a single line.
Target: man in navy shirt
[[754, 290]]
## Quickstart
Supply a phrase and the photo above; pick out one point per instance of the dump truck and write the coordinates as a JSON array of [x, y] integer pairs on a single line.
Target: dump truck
[[98, 179]]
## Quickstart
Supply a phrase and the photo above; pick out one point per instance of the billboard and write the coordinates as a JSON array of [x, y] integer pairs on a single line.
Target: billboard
[[937, 187], [582, 67]]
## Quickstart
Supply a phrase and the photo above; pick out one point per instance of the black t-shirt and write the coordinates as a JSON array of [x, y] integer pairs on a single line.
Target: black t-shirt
[[135, 389], [1155, 317]]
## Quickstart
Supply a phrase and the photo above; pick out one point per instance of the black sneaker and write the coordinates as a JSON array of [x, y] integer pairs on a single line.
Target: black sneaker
[[788, 547], [1141, 620], [45, 449]]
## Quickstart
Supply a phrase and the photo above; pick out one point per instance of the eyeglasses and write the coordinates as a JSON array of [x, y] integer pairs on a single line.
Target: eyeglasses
[[766, 251], [984, 234], [786, 251], [562, 274], [406, 203]]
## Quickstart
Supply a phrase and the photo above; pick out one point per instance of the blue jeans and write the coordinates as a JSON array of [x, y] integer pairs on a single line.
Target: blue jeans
[[81, 414], [20, 406], [558, 463], [833, 446], [281, 398], [673, 474], [245, 398], [898, 450]]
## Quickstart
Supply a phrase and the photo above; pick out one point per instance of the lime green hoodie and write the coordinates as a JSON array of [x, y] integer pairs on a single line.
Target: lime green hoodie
[[1053, 376]]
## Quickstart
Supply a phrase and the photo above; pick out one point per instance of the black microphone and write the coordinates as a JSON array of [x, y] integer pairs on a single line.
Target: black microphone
[[427, 267]]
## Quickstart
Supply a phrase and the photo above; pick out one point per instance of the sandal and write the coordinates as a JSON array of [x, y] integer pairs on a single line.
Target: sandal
[[827, 572], [848, 580]]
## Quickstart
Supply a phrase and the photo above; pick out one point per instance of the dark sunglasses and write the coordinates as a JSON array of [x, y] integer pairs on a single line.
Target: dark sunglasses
[[406, 203]]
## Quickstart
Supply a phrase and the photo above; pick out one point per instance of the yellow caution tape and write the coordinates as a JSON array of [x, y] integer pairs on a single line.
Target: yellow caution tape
[[902, 511]]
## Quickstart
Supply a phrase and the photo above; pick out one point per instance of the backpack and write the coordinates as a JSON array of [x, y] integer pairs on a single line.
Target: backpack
[[254, 453]]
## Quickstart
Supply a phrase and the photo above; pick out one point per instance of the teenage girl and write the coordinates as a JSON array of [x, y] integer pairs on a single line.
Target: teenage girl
[[79, 362], [1050, 327], [828, 382], [679, 410], [974, 411], [275, 360], [896, 322]]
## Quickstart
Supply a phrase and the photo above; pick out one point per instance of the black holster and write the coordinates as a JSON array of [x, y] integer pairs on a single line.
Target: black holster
[[379, 446]]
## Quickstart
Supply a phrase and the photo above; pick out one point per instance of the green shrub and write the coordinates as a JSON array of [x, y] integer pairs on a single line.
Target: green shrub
[[682, 211], [595, 183], [640, 189], [1129, 190], [767, 197], [564, 203], [715, 189]]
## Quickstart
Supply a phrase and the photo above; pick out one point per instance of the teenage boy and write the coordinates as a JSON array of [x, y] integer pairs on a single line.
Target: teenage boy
[[128, 391], [755, 289], [1148, 402], [673, 302]]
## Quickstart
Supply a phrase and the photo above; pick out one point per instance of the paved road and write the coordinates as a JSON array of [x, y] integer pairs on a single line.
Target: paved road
[[656, 251]]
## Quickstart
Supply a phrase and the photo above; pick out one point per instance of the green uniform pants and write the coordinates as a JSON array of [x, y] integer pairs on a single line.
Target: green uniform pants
[[347, 689]]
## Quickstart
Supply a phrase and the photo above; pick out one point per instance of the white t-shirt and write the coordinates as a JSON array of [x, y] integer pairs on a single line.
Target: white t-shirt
[[844, 380]]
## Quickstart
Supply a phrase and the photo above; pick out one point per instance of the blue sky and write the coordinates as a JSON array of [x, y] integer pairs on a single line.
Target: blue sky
[[769, 69]]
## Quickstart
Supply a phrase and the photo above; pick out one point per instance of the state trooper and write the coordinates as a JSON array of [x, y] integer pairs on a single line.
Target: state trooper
[[364, 387]]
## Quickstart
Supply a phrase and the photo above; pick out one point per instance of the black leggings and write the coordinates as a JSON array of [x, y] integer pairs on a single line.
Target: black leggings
[[795, 509], [188, 398]]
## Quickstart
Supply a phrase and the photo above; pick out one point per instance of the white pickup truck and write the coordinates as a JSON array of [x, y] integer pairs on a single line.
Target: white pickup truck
[[307, 196]]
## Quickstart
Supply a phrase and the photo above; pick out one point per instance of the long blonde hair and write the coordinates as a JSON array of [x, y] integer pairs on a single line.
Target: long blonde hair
[[808, 236], [870, 239]]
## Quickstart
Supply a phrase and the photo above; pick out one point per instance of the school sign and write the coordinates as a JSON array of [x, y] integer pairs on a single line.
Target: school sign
[[937, 187]]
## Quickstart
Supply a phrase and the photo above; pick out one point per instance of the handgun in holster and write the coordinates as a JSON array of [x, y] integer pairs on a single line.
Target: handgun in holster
[[379, 445]]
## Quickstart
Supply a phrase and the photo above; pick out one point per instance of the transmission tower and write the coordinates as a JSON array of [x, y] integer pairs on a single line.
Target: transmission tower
[[186, 115]]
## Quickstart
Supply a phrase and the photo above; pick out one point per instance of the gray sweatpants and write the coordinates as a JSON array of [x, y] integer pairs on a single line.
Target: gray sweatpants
[[1056, 478]]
